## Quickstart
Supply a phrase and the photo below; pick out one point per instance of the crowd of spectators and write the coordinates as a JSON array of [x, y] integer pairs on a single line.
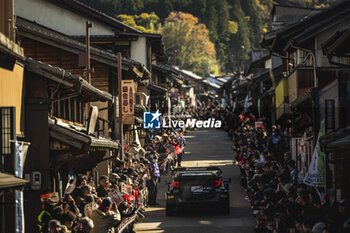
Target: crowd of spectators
[[117, 200], [279, 199]]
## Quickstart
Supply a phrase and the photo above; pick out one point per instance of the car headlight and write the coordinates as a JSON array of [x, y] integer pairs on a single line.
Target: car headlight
[[171, 197]]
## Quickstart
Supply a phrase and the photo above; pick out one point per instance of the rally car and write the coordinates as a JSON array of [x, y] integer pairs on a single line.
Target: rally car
[[198, 186]]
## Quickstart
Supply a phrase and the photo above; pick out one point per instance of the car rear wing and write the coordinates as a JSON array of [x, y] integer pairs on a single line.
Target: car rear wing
[[212, 168]]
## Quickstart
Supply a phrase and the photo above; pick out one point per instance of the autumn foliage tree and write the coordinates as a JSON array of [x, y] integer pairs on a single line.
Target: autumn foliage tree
[[231, 23], [187, 43]]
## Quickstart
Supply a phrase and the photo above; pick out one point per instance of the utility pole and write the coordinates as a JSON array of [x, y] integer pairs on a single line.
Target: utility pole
[[88, 68], [120, 102]]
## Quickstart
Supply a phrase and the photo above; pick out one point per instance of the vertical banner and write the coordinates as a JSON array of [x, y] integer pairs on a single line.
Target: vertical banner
[[21, 153], [246, 104], [128, 102], [315, 174]]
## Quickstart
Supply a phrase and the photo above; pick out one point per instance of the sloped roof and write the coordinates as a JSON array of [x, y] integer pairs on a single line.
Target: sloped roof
[[81, 8], [305, 29], [54, 38], [188, 73], [338, 44]]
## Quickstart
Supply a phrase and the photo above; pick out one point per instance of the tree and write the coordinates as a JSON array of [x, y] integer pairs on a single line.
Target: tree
[[145, 22], [231, 23], [239, 45], [187, 42], [250, 8]]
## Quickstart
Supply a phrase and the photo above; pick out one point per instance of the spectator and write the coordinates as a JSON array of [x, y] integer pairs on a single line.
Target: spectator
[[153, 182], [102, 188], [104, 219], [67, 221], [55, 227]]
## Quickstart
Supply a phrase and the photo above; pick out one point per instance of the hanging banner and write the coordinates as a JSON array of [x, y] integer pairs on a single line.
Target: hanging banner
[[246, 104], [315, 174], [21, 154], [128, 102]]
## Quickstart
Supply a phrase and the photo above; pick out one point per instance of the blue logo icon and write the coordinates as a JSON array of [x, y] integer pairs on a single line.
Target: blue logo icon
[[151, 120]]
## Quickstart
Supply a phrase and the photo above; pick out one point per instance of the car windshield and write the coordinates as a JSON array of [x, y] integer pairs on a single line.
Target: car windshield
[[207, 180]]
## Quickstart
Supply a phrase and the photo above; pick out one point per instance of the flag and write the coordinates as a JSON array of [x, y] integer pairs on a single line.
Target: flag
[[178, 149], [315, 174]]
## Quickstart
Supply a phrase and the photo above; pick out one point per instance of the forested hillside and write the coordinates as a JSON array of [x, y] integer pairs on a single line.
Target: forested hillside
[[235, 27]]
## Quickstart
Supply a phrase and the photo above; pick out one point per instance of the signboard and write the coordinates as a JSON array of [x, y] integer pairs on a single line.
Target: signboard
[[293, 87], [128, 102], [301, 152], [126, 189], [117, 197], [259, 124], [281, 91]]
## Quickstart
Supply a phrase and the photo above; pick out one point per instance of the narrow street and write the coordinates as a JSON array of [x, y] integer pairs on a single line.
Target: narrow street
[[204, 148]]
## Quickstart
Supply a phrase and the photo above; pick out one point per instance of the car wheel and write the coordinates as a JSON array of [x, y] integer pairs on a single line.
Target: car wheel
[[170, 210]]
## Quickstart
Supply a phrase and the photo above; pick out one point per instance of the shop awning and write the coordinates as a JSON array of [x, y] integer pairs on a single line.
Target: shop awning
[[342, 143], [67, 79], [76, 137], [11, 181], [336, 141], [157, 88]]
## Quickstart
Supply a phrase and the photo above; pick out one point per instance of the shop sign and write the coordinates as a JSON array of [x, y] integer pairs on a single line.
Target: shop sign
[[281, 91], [128, 102]]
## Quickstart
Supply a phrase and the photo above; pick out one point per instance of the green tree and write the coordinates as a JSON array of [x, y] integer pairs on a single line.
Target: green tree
[[250, 8], [212, 24], [239, 45]]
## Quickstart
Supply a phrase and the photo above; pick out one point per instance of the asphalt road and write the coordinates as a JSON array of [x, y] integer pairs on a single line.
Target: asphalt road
[[204, 148]]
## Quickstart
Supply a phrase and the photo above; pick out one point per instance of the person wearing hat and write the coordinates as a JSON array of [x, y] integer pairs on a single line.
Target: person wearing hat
[[319, 227], [104, 219], [114, 178], [102, 188], [55, 226]]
